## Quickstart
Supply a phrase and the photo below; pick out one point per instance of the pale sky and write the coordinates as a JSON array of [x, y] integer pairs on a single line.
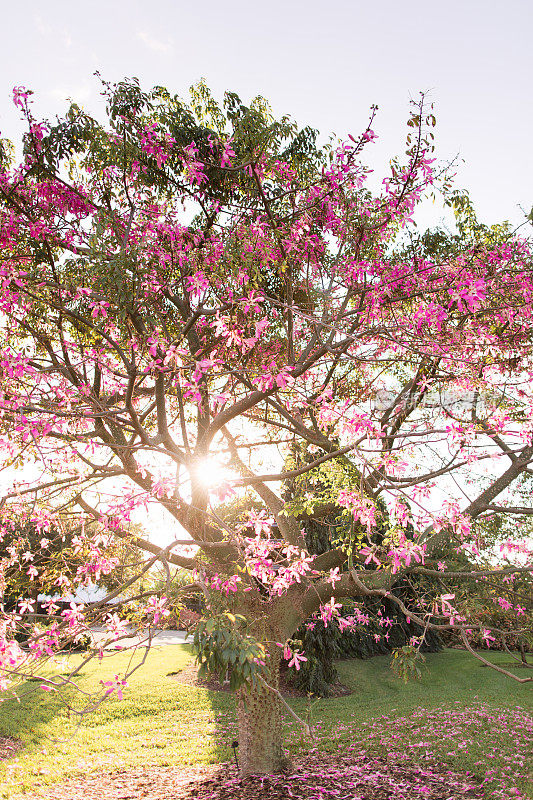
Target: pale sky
[[322, 61]]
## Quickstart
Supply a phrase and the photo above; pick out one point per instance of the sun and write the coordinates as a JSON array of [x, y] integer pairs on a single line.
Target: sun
[[211, 473]]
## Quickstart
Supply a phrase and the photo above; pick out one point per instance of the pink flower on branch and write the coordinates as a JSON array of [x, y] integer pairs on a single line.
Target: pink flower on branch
[[296, 660], [362, 508], [115, 685], [329, 611]]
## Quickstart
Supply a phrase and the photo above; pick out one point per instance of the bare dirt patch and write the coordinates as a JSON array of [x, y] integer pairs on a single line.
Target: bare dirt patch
[[189, 676], [9, 747]]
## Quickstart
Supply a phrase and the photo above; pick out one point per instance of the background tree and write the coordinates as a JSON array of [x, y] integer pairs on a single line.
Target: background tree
[[193, 286], [383, 626]]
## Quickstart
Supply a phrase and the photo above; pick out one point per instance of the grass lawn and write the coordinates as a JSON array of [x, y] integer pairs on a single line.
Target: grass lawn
[[459, 713]]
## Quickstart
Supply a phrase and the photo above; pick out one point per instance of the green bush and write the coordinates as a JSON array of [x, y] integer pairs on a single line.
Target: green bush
[[322, 645]]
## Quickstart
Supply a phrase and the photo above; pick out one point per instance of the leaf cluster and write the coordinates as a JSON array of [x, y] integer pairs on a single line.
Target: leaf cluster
[[226, 649]]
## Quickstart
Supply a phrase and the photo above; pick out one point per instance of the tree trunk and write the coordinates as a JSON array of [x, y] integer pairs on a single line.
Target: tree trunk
[[260, 728]]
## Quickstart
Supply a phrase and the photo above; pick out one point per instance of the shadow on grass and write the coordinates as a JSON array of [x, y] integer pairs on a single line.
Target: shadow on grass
[[30, 716], [158, 722]]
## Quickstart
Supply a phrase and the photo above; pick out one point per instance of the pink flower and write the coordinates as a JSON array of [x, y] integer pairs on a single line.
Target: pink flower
[[487, 637], [329, 610], [296, 659], [370, 554], [334, 576], [115, 685]]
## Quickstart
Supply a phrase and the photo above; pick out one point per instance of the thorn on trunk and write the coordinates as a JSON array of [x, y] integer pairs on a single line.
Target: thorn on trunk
[[235, 745]]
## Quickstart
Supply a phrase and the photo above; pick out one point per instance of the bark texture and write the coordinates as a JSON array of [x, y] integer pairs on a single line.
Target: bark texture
[[260, 729]]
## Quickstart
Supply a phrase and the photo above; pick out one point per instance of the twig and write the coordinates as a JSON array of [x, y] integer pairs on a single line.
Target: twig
[[490, 664], [289, 709]]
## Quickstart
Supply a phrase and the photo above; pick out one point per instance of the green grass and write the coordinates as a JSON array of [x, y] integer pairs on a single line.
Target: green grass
[[459, 713], [160, 721]]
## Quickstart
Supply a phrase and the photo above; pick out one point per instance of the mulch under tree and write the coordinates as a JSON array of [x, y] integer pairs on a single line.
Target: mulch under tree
[[9, 747], [316, 776], [189, 676]]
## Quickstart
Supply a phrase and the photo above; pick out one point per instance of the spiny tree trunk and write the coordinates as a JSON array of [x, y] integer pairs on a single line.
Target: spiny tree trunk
[[260, 727]]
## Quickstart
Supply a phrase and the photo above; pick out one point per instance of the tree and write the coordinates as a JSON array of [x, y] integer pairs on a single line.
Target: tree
[[193, 288], [52, 551]]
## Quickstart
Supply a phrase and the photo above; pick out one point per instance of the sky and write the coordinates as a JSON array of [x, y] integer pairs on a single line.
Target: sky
[[325, 62]]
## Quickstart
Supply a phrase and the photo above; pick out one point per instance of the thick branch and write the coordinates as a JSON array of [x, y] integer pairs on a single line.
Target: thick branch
[[137, 541]]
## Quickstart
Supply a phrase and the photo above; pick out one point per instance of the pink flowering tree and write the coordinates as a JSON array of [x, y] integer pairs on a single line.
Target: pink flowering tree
[[189, 293]]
